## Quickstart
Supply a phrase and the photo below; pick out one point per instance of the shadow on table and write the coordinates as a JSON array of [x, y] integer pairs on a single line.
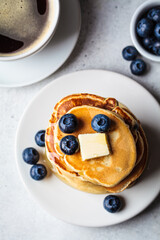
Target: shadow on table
[[153, 165], [87, 24]]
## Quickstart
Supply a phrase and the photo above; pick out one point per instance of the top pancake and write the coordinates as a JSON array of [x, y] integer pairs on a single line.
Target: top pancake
[[108, 170]]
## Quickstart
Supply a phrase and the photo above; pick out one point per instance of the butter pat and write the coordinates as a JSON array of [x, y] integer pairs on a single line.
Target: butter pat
[[93, 145]]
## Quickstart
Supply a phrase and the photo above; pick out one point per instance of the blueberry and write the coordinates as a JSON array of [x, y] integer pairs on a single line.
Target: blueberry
[[156, 48], [157, 31], [129, 53], [40, 138], [138, 67], [38, 172], [30, 155], [148, 42], [112, 203], [154, 14], [145, 27], [69, 144], [101, 123], [68, 123]]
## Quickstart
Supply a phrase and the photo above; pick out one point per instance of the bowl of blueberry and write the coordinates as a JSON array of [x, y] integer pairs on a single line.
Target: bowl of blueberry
[[145, 30]]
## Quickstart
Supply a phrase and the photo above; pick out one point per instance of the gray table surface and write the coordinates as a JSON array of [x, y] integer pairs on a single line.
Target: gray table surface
[[105, 31]]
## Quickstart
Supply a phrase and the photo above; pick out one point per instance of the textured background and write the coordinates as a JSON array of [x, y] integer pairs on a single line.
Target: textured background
[[105, 31]]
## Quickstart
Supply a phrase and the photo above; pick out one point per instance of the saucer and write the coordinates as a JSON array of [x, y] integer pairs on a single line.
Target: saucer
[[63, 201], [41, 65]]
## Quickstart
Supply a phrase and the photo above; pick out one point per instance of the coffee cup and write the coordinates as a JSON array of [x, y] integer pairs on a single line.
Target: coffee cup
[[26, 26]]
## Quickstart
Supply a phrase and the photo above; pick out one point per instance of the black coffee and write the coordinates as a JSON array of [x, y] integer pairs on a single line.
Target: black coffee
[[22, 24]]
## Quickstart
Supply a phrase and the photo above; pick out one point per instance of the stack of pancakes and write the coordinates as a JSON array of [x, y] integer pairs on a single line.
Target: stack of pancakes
[[112, 173]]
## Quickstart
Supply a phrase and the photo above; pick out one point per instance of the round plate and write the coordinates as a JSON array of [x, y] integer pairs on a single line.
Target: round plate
[[39, 66], [61, 200]]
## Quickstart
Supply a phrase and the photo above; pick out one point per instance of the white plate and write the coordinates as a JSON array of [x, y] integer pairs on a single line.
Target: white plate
[[39, 66], [70, 204]]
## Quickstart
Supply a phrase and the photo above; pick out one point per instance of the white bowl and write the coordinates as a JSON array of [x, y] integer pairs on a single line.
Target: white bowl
[[46, 38], [140, 11]]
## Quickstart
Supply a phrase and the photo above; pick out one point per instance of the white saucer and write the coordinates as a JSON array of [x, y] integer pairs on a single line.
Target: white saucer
[[67, 203], [39, 66]]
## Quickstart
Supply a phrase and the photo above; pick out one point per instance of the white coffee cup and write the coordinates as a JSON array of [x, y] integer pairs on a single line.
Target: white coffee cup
[[52, 22]]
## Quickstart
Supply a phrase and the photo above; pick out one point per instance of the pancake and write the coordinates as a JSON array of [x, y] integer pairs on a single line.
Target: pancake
[[108, 170], [94, 175]]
